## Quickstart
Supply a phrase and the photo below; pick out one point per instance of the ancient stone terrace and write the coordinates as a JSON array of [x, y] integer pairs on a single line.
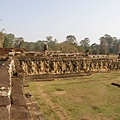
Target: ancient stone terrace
[[38, 65], [5, 51], [13, 104], [6, 71], [57, 63], [18, 67]]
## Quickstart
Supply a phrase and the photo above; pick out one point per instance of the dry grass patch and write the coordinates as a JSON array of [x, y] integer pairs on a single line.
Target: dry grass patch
[[86, 98]]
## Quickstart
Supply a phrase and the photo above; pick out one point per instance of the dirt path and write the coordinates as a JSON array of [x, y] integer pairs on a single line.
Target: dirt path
[[56, 108]]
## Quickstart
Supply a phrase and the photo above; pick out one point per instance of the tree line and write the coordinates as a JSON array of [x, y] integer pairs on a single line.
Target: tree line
[[108, 44]]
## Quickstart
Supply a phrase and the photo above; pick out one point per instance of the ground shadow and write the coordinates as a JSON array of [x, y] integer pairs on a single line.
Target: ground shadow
[[115, 84]]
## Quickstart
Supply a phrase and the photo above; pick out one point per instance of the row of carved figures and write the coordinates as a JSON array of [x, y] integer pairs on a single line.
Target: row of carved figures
[[33, 67]]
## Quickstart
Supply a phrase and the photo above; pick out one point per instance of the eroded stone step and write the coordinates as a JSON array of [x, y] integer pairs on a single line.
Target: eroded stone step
[[34, 109], [49, 77]]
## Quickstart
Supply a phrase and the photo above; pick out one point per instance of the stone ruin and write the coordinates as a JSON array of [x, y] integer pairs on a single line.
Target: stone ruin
[[13, 103], [19, 66], [60, 65]]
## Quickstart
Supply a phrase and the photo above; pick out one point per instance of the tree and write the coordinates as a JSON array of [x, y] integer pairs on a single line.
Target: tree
[[85, 43], [115, 46], [57, 47], [49, 38], [80, 49], [17, 41], [71, 39], [1, 39], [9, 41], [55, 41], [103, 45], [22, 44], [30, 45], [39, 45], [68, 48], [94, 48], [106, 43], [109, 41]]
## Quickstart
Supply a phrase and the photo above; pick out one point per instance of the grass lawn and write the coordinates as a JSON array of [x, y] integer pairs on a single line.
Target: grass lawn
[[85, 98]]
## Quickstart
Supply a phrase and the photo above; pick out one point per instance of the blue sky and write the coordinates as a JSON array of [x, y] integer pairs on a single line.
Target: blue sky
[[36, 19]]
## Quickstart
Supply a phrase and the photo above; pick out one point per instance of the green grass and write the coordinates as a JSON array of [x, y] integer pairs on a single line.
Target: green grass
[[44, 106], [86, 98]]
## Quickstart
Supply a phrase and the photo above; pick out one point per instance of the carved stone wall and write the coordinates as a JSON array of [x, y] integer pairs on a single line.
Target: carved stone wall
[[66, 64], [52, 66]]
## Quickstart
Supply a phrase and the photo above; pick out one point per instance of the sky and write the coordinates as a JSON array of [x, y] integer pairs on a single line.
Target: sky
[[36, 19]]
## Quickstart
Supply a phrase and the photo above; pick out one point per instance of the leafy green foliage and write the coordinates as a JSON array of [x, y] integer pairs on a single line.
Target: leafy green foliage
[[9, 41], [71, 39], [68, 48], [85, 43], [108, 44], [1, 39]]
